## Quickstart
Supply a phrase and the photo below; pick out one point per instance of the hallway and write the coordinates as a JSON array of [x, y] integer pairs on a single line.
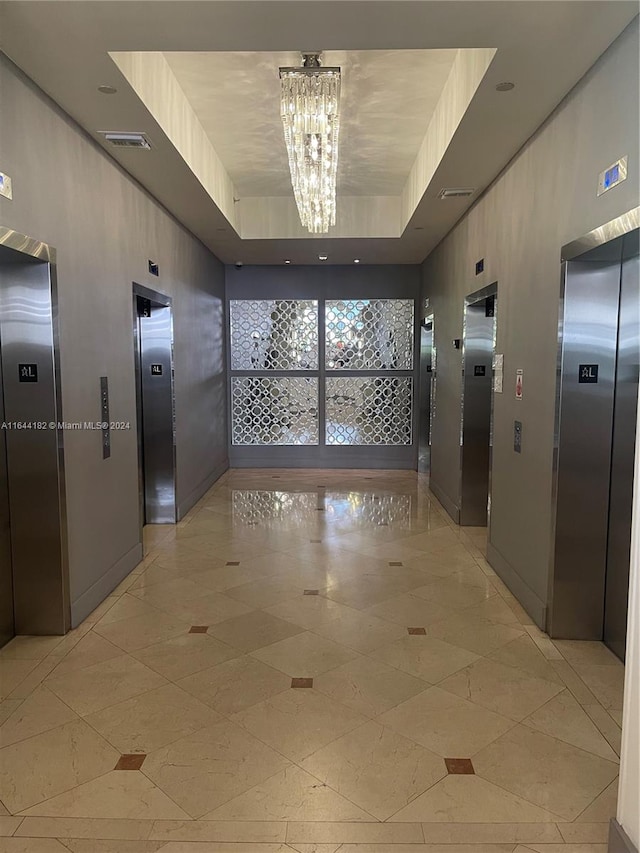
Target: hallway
[[311, 661]]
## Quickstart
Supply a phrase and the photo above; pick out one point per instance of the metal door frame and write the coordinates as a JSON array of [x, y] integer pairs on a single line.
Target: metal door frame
[[611, 230], [47, 254], [167, 302], [419, 393], [472, 299]]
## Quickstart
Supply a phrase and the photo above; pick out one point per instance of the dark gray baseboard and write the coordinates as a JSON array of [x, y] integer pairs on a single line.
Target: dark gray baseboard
[[96, 594], [619, 841], [445, 500], [201, 489], [535, 607]]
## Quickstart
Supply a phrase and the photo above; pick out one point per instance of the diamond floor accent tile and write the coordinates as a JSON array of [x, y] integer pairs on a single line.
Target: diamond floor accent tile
[[459, 766], [130, 762]]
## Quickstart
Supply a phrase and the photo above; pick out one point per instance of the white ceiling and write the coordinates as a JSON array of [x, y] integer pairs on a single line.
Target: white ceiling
[[543, 47], [388, 98]]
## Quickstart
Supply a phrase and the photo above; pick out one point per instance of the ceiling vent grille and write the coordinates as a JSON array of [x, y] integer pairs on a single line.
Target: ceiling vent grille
[[126, 140], [456, 192]]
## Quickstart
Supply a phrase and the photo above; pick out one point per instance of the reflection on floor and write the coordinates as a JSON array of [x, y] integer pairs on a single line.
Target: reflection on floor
[[310, 661]]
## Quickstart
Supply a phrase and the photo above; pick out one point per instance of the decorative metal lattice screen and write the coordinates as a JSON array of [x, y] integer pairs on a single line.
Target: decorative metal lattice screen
[[368, 410], [274, 334], [369, 334], [270, 410]]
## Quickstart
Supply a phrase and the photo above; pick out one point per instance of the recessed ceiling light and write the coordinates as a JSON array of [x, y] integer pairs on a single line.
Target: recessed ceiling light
[[356, 260], [107, 90], [505, 87], [323, 257], [287, 261]]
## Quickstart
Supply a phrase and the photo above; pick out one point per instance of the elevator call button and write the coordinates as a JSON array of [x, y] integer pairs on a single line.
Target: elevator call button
[[27, 372], [588, 373], [156, 370]]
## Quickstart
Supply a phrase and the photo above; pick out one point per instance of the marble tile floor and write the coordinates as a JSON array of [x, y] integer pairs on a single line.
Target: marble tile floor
[[310, 661]]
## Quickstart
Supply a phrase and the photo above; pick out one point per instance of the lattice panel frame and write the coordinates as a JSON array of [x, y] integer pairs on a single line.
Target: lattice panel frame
[[369, 334], [274, 410], [274, 334], [369, 410]]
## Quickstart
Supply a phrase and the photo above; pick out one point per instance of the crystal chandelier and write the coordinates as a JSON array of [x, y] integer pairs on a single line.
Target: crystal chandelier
[[310, 103]]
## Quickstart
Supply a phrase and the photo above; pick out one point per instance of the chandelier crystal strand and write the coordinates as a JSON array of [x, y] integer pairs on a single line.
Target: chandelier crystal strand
[[310, 101]]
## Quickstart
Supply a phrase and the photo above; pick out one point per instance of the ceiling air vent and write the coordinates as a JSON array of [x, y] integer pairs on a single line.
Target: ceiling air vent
[[126, 140], [456, 192]]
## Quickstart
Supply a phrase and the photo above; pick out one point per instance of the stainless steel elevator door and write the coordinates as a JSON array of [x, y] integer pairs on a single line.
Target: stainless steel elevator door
[[426, 392], [623, 450], [158, 450], [7, 624], [479, 335]]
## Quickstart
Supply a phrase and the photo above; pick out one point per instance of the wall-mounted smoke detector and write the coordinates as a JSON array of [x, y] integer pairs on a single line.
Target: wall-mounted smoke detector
[[456, 192], [126, 140]]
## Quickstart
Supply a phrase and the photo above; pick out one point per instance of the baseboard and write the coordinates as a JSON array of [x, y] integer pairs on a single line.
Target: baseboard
[[619, 841], [202, 488], [445, 500], [535, 607], [97, 593]]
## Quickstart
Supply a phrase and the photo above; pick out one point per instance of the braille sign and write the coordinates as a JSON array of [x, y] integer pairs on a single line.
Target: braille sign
[[156, 370], [479, 370], [588, 373], [28, 372]]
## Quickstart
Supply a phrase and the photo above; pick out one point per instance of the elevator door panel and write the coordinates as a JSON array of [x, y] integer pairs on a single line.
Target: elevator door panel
[[157, 416], [590, 327], [7, 628], [623, 449], [476, 416]]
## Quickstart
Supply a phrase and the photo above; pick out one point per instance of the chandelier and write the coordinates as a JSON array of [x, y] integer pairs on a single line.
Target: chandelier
[[310, 103]]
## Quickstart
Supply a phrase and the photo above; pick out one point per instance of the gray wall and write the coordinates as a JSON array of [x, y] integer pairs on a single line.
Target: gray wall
[[545, 198], [330, 282], [68, 193]]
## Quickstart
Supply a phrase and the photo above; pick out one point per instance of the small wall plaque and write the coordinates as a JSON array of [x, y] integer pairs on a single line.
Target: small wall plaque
[[588, 373], [156, 370], [27, 372]]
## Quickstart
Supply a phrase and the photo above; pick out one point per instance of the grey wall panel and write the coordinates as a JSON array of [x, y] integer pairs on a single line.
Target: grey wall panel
[[70, 194], [545, 198]]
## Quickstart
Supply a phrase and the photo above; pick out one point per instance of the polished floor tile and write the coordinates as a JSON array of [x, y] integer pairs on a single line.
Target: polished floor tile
[[424, 657], [368, 686], [376, 768], [235, 685], [292, 794], [503, 689], [546, 771], [152, 720], [298, 722], [185, 654], [292, 721], [253, 630], [305, 654], [204, 770], [60, 759], [446, 724], [95, 687], [471, 799]]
